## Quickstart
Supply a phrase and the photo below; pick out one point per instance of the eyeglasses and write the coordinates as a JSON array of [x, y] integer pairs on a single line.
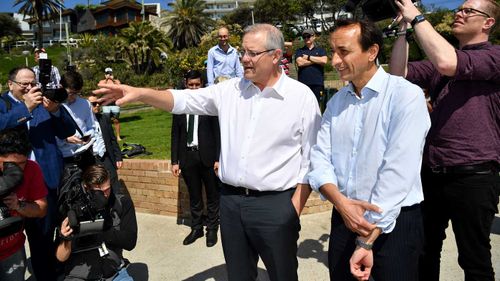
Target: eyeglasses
[[94, 103], [25, 84], [306, 36], [468, 11], [252, 54]]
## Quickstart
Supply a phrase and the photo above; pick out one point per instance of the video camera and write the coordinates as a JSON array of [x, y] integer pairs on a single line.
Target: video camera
[[374, 10], [85, 209], [10, 178], [52, 92]]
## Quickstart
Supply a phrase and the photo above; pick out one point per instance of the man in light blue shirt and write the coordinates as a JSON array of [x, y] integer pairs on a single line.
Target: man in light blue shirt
[[367, 162], [223, 60]]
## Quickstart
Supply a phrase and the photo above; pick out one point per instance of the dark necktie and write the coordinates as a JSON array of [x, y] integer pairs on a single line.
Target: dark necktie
[[190, 128]]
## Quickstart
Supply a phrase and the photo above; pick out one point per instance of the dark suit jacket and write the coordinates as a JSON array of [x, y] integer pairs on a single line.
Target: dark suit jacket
[[208, 139], [112, 147], [43, 130]]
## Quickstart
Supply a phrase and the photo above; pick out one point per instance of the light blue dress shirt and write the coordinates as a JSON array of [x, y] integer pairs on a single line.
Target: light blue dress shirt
[[220, 63], [371, 147]]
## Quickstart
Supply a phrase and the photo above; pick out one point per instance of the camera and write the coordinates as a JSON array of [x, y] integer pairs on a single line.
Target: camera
[[48, 89], [85, 209], [374, 10], [10, 178]]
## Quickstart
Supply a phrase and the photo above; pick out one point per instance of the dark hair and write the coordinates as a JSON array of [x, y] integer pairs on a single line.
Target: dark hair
[[369, 33], [13, 72], [95, 174], [72, 80], [14, 141], [193, 74]]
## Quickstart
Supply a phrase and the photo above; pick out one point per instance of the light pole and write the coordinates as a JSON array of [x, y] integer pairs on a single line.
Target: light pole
[[60, 25], [26, 53], [251, 10]]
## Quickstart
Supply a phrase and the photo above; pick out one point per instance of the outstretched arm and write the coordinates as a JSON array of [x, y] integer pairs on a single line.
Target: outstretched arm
[[124, 94]]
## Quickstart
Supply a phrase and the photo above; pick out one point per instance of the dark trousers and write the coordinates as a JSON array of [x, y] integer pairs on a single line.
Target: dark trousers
[[395, 254], [196, 175], [264, 225], [111, 168], [40, 232], [470, 202], [319, 92]]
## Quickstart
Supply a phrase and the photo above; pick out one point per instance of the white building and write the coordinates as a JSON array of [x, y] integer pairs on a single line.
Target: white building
[[218, 8]]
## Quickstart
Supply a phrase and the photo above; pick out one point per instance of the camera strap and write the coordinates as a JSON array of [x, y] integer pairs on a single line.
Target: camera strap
[[8, 104]]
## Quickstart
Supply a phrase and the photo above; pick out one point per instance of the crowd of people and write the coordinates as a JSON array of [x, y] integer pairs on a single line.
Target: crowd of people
[[395, 172]]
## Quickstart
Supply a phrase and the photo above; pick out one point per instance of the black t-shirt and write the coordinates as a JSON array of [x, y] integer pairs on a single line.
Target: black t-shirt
[[313, 74]]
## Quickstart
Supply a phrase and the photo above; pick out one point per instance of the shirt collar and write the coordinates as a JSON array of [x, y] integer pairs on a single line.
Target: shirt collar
[[376, 84], [13, 97], [229, 50], [278, 88], [476, 46]]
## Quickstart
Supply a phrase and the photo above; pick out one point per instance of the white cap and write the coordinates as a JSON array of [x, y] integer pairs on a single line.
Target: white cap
[[108, 69]]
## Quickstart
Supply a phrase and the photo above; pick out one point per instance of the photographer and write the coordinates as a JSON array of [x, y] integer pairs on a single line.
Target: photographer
[[462, 153], [22, 103], [55, 77], [106, 261], [27, 200], [77, 149]]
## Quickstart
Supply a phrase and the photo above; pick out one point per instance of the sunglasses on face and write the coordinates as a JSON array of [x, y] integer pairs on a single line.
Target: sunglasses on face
[[306, 36], [94, 103]]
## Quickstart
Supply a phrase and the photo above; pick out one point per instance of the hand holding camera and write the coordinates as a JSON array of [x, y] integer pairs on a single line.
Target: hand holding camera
[[66, 231], [33, 98]]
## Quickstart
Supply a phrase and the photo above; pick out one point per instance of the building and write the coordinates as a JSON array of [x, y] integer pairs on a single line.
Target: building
[[216, 9]]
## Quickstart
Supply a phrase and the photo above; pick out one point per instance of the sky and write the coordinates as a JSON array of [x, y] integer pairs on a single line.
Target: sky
[[6, 5]]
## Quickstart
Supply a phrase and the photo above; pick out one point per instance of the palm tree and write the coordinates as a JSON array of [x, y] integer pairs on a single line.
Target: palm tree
[[142, 44], [39, 10], [187, 23]]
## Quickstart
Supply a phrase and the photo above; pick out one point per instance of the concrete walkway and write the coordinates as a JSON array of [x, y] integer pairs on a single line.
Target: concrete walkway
[[160, 255]]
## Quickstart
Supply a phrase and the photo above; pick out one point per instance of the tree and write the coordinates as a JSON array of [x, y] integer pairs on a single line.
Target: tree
[[143, 45], [10, 26], [241, 16], [187, 23], [39, 10]]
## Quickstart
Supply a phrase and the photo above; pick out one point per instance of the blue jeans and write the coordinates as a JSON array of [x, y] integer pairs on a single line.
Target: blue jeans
[[123, 275]]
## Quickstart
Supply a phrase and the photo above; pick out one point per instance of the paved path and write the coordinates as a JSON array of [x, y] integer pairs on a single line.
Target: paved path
[[160, 255]]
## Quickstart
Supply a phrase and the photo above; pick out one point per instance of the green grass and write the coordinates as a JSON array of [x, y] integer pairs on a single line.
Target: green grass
[[150, 128]]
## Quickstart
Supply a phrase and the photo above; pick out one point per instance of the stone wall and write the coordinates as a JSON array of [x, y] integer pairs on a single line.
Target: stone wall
[[155, 190]]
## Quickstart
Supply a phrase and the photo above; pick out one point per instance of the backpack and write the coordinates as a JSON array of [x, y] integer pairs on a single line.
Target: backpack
[[133, 149]]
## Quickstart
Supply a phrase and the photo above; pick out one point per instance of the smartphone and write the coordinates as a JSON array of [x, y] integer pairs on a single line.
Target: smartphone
[[85, 138]]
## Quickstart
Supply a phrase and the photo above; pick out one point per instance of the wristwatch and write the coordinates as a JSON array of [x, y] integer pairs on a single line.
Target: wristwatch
[[308, 57], [418, 19], [364, 245]]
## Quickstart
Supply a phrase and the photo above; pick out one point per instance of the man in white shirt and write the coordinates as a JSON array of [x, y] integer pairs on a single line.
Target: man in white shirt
[[77, 149], [268, 123]]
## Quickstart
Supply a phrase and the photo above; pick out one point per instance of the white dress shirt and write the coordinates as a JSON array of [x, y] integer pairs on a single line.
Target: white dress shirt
[[266, 135], [81, 111], [195, 130], [371, 147]]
